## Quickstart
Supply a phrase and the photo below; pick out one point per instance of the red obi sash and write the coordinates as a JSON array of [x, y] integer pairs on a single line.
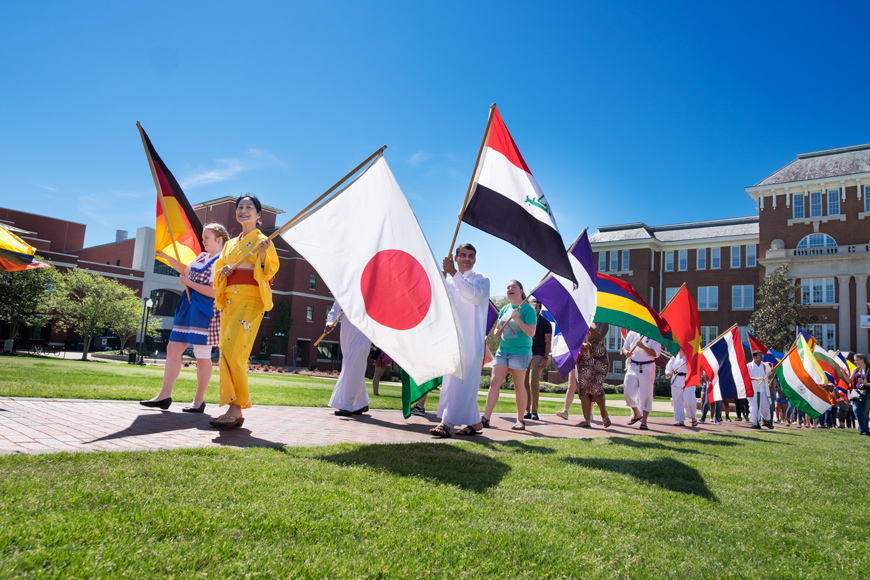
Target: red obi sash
[[241, 278]]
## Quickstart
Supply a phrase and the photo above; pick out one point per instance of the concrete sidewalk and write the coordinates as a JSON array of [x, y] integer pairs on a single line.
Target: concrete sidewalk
[[51, 425]]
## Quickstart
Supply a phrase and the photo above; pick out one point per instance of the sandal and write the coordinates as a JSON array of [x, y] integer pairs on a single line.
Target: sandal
[[484, 421], [643, 427], [440, 430], [227, 422], [585, 424], [606, 421], [467, 431], [519, 426], [634, 420]]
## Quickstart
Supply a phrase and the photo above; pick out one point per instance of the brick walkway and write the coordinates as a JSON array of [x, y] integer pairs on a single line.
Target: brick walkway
[[51, 425]]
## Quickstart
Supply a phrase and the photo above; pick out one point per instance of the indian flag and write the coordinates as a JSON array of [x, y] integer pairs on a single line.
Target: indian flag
[[802, 380]]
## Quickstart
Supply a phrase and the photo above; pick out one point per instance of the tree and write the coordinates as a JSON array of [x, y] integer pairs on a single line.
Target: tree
[[24, 297], [779, 311], [126, 318], [89, 304], [283, 324]]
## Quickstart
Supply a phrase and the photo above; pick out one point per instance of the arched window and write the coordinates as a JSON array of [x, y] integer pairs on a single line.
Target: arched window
[[164, 302], [816, 244]]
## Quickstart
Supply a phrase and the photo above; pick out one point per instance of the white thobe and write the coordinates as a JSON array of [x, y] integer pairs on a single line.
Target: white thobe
[[682, 398], [350, 391], [458, 402], [640, 371], [760, 400]]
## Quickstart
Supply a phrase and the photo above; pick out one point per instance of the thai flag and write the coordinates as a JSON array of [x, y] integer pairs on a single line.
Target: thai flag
[[573, 308], [558, 347], [725, 365]]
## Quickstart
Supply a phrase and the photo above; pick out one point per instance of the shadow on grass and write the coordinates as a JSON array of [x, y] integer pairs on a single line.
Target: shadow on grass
[[748, 438], [637, 444], [446, 464], [513, 446], [666, 473]]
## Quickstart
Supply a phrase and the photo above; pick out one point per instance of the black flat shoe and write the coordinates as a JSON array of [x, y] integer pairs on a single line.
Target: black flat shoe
[[361, 411], [161, 404], [342, 413], [199, 409]]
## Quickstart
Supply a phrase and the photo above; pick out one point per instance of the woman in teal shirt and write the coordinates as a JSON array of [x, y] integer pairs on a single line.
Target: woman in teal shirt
[[514, 351]]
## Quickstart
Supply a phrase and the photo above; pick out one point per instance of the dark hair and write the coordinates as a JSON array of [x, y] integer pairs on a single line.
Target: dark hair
[[253, 199], [522, 291], [862, 357], [466, 247]]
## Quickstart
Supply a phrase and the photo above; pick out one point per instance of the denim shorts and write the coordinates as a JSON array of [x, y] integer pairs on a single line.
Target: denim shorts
[[517, 362]]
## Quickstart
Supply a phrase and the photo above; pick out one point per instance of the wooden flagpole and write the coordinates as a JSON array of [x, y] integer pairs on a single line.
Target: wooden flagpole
[[473, 174], [303, 213], [325, 332], [162, 203], [672, 298], [526, 301]]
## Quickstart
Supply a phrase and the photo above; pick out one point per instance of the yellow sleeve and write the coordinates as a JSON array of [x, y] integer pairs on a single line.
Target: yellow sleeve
[[265, 273], [220, 283]]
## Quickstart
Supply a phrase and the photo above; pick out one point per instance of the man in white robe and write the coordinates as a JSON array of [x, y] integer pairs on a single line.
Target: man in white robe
[[640, 354], [682, 397], [470, 292], [350, 396], [760, 401]]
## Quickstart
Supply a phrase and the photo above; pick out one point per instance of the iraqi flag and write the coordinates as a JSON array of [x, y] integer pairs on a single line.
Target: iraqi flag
[[366, 244], [573, 308], [725, 365], [15, 254], [179, 216], [507, 203]]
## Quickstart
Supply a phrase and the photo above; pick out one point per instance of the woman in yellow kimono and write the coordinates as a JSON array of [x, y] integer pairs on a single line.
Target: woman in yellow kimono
[[244, 295]]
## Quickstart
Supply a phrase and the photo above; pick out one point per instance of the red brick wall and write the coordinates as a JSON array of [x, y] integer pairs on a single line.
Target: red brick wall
[[110, 253], [64, 236]]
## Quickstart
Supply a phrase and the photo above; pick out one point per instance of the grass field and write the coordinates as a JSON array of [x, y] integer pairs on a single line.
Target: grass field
[[26, 376], [780, 504]]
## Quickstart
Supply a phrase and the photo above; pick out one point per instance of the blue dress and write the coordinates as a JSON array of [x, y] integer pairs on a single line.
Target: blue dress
[[194, 316]]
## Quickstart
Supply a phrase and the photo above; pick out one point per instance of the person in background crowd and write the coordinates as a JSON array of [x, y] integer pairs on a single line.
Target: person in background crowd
[[569, 395], [541, 344], [781, 403], [244, 294], [859, 398], [197, 321], [705, 404], [591, 371], [349, 397], [382, 363]]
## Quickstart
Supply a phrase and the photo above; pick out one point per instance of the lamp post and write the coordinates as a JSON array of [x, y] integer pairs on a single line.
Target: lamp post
[[147, 304], [279, 336]]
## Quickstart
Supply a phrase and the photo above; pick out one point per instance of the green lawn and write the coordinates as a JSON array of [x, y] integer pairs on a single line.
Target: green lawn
[[26, 376], [773, 504]]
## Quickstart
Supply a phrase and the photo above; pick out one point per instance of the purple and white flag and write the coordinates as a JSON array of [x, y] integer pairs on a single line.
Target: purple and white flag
[[572, 309], [558, 347]]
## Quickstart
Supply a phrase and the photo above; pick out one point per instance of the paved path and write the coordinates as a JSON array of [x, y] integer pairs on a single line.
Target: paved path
[[51, 425]]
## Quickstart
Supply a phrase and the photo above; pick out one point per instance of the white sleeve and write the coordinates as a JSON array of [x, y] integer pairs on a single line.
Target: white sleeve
[[334, 313], [670, 367], [650, 343], [476, 292]]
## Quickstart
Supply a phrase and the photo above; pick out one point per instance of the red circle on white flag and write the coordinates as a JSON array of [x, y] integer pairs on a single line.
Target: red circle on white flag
[[396, 290]]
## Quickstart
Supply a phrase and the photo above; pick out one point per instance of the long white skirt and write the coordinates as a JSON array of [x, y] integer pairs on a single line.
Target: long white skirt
[[350, 391]]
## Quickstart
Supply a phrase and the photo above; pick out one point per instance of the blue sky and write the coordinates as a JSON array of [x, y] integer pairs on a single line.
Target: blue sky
[[659, 112]]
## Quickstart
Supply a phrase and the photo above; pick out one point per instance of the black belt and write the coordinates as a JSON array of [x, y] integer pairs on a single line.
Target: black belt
[[646, 362], [680, 374]]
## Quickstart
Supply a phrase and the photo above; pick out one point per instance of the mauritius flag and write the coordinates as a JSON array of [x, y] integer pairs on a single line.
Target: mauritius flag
[[620, 305], [176, 220], [506, 202], [15, 254]]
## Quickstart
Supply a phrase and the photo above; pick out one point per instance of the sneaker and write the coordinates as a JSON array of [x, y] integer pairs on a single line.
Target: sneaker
[[562, 414], [768, 424], [534, 417], [527, 415], [418, 410], [727, 419], [702, 420], [755, 426], [717, 422]]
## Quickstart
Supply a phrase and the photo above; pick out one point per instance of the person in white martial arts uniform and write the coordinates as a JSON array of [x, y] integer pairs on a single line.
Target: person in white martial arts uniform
[[682, 396], [760, 401], [640, 354], [470, 292], [350, 396]]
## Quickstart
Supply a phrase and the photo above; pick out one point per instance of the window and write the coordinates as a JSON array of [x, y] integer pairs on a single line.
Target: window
[[815, 204], [816, 245], [798, 207], [742, 297], [312, 282], [817, 291], [614, 338], [833, 202], [708, 334], [708, 298], [684, 260], [750, 256], [117, 262], [669, 261], [715, 260], [602, 261], [617, 367], [702, 259], [867, 198], [670, 293], [266, 315], [614, 261], [328, 351], [625, 260], [309, 314], [161, 268], [735, 256], [164, 301], [744, 333], [824, 333]]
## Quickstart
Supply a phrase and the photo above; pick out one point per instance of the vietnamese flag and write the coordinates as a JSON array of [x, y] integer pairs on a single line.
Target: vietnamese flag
[[681, 314], [179, 218]]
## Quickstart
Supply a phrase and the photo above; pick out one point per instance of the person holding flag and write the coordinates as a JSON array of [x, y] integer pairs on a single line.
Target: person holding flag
[[682, 396], [640, 354], [759, 401], [470, 292], [243, 292]]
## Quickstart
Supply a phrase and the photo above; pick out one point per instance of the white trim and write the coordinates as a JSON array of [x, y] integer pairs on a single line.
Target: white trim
[[302, 294], [821, 219]]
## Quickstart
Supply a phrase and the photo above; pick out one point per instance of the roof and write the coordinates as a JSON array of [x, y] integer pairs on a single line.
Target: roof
[[730, 227], [823, 164], [232, 198]]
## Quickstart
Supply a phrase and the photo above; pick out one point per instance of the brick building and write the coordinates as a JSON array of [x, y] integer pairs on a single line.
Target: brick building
[[131, 262], [810, 217]]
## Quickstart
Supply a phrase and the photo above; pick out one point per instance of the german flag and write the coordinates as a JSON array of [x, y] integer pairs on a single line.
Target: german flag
[[682, 316], [15, 254], [620, 305], [175, 217]]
